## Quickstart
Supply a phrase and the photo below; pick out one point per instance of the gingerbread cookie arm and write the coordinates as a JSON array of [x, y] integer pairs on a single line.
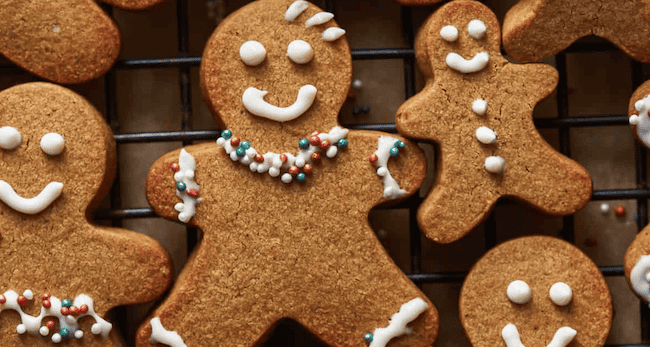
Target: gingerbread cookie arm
[[59, 42]]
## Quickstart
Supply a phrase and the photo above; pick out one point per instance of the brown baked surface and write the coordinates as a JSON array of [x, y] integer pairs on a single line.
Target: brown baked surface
[[272, 250], [133, 4], [64, 41], [540, 261], [638, 248], [58, 251], [417, 2], [465, 192], [641, 92], [537, 29]]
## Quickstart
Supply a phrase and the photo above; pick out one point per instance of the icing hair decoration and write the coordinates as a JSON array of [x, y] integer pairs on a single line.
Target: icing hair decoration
[[318, 19], [295, 10], [298, 7]]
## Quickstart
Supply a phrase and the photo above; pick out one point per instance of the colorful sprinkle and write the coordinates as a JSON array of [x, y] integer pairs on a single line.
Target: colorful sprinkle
[[74, 310], [342, 144], [193, 192], [315, 157], [226, 134], [619, 211], [294, 170], [283, 158], [373, 158], [368, 337], [315, 132], [45, 296], [314, 140], [303, 144], [301, 177], [50, 324], [245, 145], [235, 141], [65, 311], [400, 144], [180, 186], [83, 309], [307, 168], [22, 300], [65, 333], [2, 299], [47, 303], [175, 167], [259, 158], [325, 144], [394, 151], [66, 303], [240, 151]]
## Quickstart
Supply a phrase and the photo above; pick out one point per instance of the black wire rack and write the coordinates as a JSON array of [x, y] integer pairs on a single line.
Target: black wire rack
[[183, 62]]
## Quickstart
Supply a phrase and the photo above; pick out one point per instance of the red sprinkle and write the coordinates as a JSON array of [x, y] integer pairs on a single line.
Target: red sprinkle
[[315, 157], [373, 158], [83, 309], [619, 211], [259, 158], [50, 324], [45, 296], [294, 170], [307, 168], [47, 303], [316, 132], [175, 167], [283, 158], [22, 300], [2, 299], [74, 310], [235, 141], [193, 192], [314, 140], [65, 311], [325, 144]]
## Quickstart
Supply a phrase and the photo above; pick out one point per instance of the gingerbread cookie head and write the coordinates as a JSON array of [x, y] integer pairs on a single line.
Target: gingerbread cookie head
[[638, 111], [277, 76], [535, 291], [57, 162]]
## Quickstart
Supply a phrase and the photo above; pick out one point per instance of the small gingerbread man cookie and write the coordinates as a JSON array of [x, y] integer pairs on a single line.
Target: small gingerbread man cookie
[[478, 107], [535, 291], [534, 30], [57, 163], [283, 197]]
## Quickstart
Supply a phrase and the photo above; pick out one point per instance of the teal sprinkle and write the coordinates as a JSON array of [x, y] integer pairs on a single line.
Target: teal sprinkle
[[303, 144], [342, 144], [240, 151], [301, 177], [67, 302], [368, 337], [65, 332], [180, 186], [245, 145], [394, 151], [399, 144], [226, 134]]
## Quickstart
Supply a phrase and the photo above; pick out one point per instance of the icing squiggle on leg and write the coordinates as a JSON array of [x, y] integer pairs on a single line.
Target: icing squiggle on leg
[[161, 335], [397, 326]]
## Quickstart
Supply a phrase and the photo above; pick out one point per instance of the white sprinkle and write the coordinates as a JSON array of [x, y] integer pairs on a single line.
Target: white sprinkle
[[286, 178], [495, 164], [21, 328], [78, 334], [28, 294], [44, 331], [486, 135], [479, 106], [604, 208]]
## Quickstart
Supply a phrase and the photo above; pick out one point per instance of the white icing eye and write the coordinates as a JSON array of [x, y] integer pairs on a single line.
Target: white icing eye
[[300, 52], [52, 144], [519, 292], [252, 53], [476, 29], [449, 33], [9, 138], [561, 294]]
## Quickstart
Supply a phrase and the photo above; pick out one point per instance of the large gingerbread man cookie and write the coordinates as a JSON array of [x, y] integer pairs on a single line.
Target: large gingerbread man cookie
[[64, 41], [537, 29], [479, 108], [58, 161], [535, 291], [283, 197]]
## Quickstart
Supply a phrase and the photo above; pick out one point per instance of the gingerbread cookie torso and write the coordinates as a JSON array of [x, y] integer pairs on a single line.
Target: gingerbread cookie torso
[[64, 41], [283, 207], [535, 291], [537, 29], [58, 161], [478, 107]]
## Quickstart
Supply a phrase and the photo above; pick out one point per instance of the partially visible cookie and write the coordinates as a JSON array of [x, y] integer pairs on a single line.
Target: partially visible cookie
[[536, 290], [637, 265], [537, 29], [62, 273], [133, 4], [638, 111], [479, 108]]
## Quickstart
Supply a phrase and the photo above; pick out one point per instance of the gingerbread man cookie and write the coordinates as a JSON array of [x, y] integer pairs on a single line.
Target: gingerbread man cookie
[[283, 197], [64, 41], [535, 291], [58, 161], [534, 30], [637, 265], [478, 107]]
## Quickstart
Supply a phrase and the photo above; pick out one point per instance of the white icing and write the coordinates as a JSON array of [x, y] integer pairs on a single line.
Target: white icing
[[286, 178], [9, 138], [187, 165], [33, 205], [253, 100], [604, 208], [300, 52], [476, 29], [397, 326], [252, 53], [295, 10], [161, 335], [486, 135], [479, 106], [460, 64], [272, 162], [641, 120], [391, 187], [319, 18], [32, 324], [449, 33], [562, 337], [332, 33], [519, 292], [495, 164], [639, 278], [52, 143], [560, 294]]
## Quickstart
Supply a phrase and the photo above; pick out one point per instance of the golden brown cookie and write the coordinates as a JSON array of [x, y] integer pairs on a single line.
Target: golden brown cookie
[[284, 208], [478, 107], [58, 161], [64, 41], [638, 111], [637, 265], [536, 29], [133, 4], [536, 290]]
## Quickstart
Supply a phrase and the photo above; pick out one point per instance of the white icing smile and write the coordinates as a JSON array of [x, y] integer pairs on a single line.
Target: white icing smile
[[253, 100], [460, 64], [30, 206], [562, 337]]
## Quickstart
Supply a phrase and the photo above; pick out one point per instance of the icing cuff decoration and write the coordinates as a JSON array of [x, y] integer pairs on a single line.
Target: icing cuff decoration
[[640, 277], [161, 335], [186, 188], [562, 337], [397, 326], [641, 120], [33, 205], [66, 311], [387, 147], [308, 154]]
